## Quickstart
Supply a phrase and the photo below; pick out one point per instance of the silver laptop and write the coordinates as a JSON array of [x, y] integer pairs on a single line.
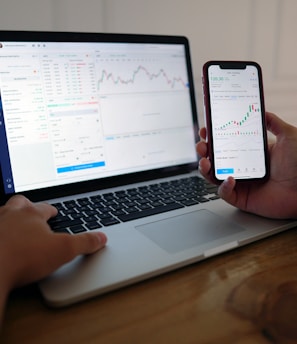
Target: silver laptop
[[104, 127]]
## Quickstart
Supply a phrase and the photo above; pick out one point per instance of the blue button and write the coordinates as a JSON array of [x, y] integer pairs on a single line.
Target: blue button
[[225, 171], [80, 167]]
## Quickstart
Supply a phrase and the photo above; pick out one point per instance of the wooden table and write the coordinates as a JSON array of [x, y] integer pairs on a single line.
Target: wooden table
[[248, 295]]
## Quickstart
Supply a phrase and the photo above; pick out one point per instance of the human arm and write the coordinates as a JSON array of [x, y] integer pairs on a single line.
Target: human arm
[[276, 198], [29, 250]]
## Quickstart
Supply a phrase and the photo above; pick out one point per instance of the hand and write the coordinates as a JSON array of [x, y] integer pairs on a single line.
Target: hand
[[29, 250], [276, 198]]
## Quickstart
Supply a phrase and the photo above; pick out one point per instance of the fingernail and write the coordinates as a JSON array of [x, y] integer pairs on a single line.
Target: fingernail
[[102, 238]]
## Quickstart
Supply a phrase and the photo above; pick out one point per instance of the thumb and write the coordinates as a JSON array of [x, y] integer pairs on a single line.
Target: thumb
[[275, 124], [226, 190]]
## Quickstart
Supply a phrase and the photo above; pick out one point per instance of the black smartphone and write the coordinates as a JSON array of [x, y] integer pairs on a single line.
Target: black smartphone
[[235, 120]]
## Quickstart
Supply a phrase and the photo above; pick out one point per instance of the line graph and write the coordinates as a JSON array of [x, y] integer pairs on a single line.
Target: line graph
[[137, 77], [171, 82]]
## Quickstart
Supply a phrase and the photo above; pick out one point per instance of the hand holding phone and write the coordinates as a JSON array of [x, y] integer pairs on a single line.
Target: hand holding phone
[[235, 120]]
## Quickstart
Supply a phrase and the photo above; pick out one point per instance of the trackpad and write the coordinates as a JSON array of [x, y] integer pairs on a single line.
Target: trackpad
[[186, 231]]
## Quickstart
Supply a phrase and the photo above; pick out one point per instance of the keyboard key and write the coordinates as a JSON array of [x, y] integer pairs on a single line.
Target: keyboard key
[[109, 221], [61, 230], [77, 229], [93, 225], [190, 202], [149, 212]]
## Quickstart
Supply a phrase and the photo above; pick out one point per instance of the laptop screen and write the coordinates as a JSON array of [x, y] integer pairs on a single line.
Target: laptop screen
[[82, 109]]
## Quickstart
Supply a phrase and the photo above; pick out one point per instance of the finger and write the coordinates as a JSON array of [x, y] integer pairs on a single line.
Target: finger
[[88, 243], [274, 124], [65, 247], [18, 201], [226, 190], [205, 170], [204, 167], [46, 210], [203, 133], [201, 148], [79, 244]]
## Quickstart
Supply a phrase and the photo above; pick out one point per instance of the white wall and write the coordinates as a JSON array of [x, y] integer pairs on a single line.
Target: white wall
[[261, 30]]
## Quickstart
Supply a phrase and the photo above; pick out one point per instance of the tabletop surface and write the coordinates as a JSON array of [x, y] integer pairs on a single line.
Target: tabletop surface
[[248, 295]]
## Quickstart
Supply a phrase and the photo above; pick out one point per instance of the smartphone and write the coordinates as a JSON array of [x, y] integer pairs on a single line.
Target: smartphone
[[235, 120]]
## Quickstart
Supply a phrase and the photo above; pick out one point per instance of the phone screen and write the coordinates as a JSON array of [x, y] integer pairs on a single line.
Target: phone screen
[[238, 133]]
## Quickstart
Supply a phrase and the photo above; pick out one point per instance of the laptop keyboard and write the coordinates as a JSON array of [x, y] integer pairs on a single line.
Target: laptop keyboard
[[107, 209]]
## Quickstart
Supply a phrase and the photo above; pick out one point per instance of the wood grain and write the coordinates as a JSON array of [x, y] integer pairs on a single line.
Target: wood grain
[[248, 295]]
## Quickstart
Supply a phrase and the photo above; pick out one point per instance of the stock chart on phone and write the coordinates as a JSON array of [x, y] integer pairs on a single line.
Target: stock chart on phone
[[236, 122]]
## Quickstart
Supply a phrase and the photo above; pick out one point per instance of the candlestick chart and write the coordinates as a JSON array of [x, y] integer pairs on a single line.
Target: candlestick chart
[[246, 124]]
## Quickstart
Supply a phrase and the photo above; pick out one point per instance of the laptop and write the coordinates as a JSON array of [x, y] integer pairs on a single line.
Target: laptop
[[103, 126]]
